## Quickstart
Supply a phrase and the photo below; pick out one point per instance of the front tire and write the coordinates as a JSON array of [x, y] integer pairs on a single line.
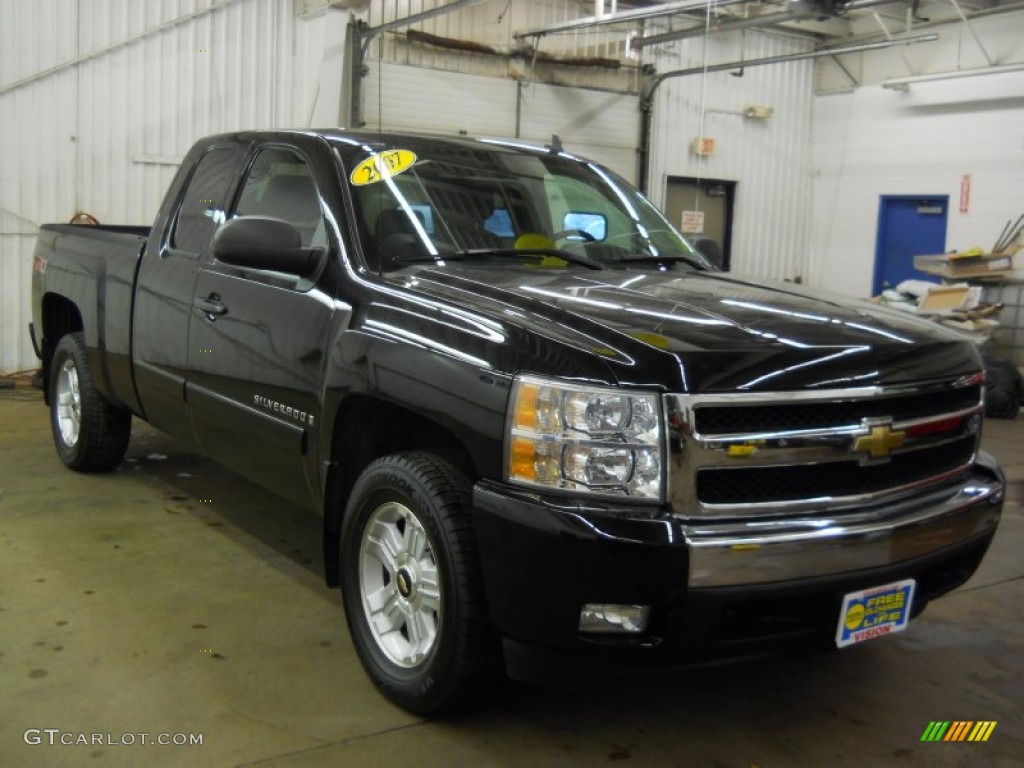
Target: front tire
[[412, 585], [89, 432]]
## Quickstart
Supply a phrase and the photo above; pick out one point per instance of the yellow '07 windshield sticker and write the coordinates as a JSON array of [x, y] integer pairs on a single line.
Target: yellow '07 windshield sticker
[[382, 166]]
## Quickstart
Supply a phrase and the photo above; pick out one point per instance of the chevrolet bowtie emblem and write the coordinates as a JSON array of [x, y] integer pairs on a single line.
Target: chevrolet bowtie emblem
[[880, 442]]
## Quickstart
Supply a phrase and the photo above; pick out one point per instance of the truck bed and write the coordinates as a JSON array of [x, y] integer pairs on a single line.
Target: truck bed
[[99, 231], [98, 264]]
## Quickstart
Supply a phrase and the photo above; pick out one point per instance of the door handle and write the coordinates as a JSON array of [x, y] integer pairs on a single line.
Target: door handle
[[211, 306]]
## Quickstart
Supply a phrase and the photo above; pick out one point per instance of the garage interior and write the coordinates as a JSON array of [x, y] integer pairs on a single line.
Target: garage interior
[[173, 596]]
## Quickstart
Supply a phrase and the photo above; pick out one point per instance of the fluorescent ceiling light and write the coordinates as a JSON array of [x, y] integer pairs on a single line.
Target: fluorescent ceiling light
[[898, 83]]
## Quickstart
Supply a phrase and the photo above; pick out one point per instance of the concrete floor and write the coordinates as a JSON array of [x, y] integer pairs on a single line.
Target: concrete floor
[[173, 597]]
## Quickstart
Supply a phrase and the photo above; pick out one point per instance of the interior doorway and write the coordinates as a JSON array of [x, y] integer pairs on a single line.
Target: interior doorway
[[703, 208], [908, 226]]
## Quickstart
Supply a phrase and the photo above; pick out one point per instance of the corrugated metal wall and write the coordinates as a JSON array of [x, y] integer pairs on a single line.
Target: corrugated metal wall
[[399, 97], [601, 125], [104, 135], [770, 159]]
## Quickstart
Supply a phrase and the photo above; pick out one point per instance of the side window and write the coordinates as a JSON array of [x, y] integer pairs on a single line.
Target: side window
[[280, 184], [202, 209]]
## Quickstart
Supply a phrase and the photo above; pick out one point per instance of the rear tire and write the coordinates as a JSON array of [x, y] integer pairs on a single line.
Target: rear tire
[[412, 585], [89, 432]]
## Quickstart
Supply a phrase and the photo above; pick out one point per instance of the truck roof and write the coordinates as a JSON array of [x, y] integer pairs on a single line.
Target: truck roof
[[371, 137]]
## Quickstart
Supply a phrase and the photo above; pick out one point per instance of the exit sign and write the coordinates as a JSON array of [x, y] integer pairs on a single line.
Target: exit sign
[[703, 146]]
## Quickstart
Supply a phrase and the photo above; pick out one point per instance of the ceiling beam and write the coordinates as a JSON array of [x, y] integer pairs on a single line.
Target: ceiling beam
[[974, 33]]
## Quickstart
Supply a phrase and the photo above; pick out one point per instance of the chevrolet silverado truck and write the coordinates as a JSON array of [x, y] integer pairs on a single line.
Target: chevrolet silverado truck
[[538, 424]]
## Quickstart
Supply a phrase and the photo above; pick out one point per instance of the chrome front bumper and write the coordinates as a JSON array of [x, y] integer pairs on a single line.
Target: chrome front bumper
[[750, 552]]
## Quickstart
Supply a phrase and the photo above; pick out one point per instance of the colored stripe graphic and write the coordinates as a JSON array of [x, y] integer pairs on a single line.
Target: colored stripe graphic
[[982, 730], [958, 731]]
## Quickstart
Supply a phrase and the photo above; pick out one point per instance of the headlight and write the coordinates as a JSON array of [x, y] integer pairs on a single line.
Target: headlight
[[589, 439]]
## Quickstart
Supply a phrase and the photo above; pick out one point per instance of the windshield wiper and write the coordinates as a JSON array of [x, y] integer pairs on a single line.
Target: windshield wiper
[[485, 253], [667, 259]]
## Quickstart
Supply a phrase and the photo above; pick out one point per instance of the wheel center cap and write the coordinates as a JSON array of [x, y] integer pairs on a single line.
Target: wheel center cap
[[405, 583]]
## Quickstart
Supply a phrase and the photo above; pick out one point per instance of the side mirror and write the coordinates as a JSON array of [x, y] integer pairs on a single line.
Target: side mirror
[[263, 242]]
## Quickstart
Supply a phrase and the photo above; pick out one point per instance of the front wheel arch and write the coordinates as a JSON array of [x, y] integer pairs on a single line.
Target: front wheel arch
[[448, 668], [355, 444]]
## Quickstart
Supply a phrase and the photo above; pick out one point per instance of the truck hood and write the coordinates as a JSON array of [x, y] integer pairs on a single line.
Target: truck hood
[[708, 331]]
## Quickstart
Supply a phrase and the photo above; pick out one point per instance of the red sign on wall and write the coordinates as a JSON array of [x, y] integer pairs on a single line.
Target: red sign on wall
[[965, 193]]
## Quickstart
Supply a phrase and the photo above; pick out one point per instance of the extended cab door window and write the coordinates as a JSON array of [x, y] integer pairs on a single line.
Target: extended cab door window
[[202, 207]]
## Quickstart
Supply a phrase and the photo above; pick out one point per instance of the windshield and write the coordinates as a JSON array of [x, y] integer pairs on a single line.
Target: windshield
[[425, 200]]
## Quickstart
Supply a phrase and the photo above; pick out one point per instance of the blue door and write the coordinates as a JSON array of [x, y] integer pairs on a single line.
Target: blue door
[[908, 226]]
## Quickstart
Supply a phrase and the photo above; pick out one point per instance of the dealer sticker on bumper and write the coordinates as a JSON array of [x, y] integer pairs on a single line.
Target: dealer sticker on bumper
[[875, 612]]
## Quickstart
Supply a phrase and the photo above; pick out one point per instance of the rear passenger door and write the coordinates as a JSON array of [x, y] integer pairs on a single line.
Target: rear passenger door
[[256, 364], [167, 278]]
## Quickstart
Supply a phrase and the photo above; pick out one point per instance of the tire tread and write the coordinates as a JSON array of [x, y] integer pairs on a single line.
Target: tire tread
[[105, 428], [476, 658]]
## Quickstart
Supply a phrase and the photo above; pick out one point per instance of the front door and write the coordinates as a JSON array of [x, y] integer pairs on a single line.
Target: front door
[[908, 226], [257, 342]]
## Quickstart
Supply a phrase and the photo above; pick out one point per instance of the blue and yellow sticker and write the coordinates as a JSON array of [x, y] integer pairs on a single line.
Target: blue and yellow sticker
[[381, 166], [875, 612]]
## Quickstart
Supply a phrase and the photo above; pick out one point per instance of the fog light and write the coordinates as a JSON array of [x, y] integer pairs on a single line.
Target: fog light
[[611, 618]]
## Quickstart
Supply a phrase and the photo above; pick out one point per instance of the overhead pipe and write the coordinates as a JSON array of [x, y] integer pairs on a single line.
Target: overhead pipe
[[857, 5], [724, 26], [836, 51], [650, 12], [647, 99]]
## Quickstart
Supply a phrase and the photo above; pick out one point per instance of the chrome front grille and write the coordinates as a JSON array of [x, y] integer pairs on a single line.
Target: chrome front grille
[[747, 454], [737, 418]]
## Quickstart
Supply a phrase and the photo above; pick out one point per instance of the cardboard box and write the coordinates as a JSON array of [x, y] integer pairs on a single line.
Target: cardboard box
[[943, 298], [954, 265]]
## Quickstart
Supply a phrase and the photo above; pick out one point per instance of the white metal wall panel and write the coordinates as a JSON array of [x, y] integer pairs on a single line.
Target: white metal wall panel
[[878, 142], [398, 97], [601, 125], [770, 159], [104, 135]]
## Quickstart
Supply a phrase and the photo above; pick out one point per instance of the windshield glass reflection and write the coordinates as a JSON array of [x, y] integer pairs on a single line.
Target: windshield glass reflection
[[430, 201]]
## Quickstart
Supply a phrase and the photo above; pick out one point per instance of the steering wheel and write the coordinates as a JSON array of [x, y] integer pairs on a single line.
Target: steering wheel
[[565, 234]]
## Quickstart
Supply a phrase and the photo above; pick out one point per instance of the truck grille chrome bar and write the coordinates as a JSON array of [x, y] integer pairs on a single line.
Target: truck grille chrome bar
[[780, 454]]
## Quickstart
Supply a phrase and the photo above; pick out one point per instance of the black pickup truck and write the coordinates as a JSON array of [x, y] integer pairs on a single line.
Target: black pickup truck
[[538, 424]]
